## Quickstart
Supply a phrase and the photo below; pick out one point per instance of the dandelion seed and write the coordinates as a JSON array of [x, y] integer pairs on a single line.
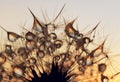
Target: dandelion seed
[[12, 37]]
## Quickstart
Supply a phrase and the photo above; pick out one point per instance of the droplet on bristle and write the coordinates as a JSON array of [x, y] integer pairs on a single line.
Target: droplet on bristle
[[102, 67], [40, 54], [18, 72]]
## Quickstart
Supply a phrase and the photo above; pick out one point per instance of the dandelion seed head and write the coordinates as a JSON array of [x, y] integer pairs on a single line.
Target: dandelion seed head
[[47, 53]]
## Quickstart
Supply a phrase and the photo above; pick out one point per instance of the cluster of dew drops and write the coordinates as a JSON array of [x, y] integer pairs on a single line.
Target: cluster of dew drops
[[41, 47]]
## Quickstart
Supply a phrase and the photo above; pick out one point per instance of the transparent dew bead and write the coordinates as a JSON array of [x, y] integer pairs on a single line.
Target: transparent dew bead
[[102, 67], [23, 52], [53, 36], [66, 59], [8, 49], [87, 39], [32, 61], [56, 58], [40, 54], [25, 56], [42, 47], [63, 55], [69, 29], [30, 45], [89, 61], [18, 72], [81, 61], [29, 36], [80, 36], [12, 37], [58, 43]]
